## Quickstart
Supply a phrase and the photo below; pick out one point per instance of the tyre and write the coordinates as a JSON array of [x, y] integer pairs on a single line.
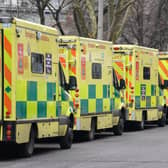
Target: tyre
[[141, 124], [162, 121], [91, 134], [66, 141], [118, 130], [26, 149], [166, 111]]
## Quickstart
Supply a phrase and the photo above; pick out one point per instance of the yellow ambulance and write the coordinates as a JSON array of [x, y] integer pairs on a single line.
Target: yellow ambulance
[[163, 77], [143, 95], [32, 102], [98, 105]]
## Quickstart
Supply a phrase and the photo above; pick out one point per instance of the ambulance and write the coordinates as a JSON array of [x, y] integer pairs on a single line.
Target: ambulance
[[98, 105], [32, 101], [143, 95], [163, 75]]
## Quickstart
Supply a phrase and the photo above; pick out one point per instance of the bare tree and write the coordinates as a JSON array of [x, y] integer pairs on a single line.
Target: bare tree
[[118, 12], [85, 18], [159, 38], [56, 11], [134, 27], [147, 26], [41, 6], [85, 15]]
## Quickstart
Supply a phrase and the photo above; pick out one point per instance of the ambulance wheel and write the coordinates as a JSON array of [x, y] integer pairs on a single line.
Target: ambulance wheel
[[66, 141], [118, 130], [166, 111], [141, 124], [26, 149], [91, 134], [162, 121]]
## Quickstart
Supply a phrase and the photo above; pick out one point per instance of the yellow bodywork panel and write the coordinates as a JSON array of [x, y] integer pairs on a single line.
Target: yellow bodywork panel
[[22, 133], [90, 61], [85, 123], [31, 80], [163, 72], [1, 132], [139, 67], [48, 129], [105, 121]]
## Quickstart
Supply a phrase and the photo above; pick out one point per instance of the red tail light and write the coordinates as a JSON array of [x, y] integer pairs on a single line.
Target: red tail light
[[77, 90], [116, 48], [8, 132], [9, 127], [77, 105], [8, 138], [132, 100], [76, 95], [8, 114]]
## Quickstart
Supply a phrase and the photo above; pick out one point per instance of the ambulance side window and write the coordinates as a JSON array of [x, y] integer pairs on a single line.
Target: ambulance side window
[[96, 71], [146, 73], [37, 63]]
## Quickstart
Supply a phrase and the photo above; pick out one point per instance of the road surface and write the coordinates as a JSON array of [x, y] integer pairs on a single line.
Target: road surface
[[135, 149]]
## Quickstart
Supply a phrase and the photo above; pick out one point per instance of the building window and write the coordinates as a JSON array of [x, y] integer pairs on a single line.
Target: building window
[[96, 71], [146, 73], [37, 63]]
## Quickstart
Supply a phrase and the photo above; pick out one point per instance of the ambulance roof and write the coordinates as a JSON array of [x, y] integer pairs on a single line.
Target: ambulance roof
[[28, 24]]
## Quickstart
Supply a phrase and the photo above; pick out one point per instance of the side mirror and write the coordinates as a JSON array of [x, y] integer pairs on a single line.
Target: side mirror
[[72, 83], [165, 85], [122, 84]]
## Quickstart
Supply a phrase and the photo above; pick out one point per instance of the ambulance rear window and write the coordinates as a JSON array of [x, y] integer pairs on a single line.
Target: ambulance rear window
[[146, 73], [37, 63], [96, 71]]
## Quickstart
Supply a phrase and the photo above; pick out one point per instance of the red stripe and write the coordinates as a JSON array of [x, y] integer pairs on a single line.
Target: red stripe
[[120, 64], [73, 69], [130, 98], [163, 68], [130, 72], [8, 46], [130, 58], [127, 95], [126, 80], [8, 74], [62, 60], [7, 102], [73, 52], [130, 84], [118, 76]]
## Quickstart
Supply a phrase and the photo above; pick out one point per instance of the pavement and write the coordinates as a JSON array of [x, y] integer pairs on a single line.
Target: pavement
[[134, 149]]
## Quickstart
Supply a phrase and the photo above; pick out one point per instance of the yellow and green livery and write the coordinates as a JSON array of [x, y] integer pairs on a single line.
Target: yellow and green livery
[[163, 77], [143, 96], [87, 62], [32, 99]]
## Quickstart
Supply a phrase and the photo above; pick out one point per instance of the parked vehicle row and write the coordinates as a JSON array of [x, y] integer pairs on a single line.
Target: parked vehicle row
[[56, 86]]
